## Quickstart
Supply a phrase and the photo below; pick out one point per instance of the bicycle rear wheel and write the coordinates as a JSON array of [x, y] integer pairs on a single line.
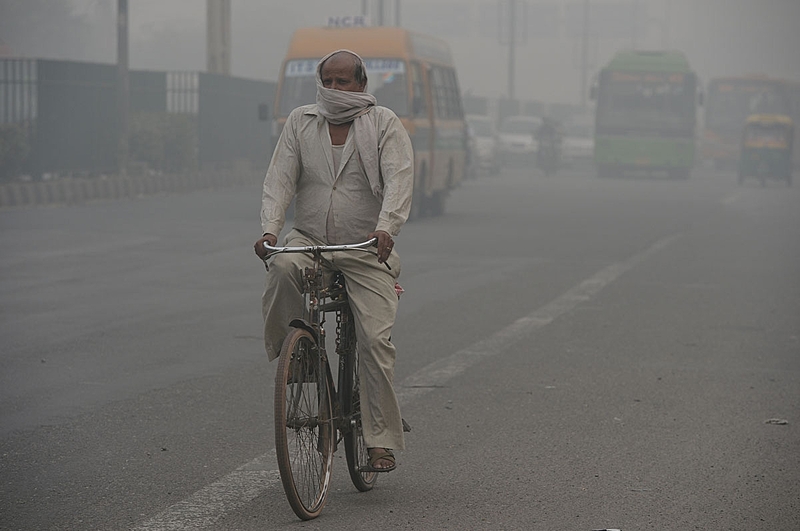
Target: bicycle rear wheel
[[354, 447], [304, 433]]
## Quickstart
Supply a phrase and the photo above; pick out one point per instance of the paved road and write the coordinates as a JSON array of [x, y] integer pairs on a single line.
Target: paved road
[[574, 353]]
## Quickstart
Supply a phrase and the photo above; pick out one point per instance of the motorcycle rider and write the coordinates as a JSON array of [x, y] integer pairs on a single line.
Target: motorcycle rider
[[548, 137]]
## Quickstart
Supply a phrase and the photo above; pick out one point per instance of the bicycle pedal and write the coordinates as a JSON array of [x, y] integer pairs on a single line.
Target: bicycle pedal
[[406, 426]]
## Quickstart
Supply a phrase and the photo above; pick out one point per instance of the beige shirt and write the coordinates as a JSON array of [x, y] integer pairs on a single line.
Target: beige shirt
[[303, 165]]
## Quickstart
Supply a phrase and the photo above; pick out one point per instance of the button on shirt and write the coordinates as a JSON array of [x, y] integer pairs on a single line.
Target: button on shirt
[[336, 205]]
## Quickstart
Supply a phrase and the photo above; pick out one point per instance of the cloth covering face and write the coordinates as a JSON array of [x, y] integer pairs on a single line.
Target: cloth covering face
[[340, 107]]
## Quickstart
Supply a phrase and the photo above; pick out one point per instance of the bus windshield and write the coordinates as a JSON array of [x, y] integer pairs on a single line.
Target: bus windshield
[[731, 102], [387, 81], [646, 101]]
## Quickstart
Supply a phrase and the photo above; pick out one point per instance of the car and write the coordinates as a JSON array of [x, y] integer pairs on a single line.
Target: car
[[482, 145], [577, 148], [517, 139]]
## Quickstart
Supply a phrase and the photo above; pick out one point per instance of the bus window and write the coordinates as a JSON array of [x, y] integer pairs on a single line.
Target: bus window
[[647, 100], [453, 95], [767, 102], [439, 89], [447, 100], [730, 102], [387, 82], [299, 85], [420, 103]]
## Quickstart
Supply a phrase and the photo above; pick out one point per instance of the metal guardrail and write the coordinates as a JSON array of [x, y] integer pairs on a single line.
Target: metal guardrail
[[67, 111]]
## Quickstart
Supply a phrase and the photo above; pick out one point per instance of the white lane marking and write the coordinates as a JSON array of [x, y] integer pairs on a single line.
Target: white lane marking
[[205, 507], [437, 373]]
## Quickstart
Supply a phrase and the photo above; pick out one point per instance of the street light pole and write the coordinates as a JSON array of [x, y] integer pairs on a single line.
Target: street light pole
[[584, 53], [218, 37], [123, 94], [511, 43]]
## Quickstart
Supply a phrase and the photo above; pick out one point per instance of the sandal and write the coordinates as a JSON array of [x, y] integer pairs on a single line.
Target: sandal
[[376, 455]]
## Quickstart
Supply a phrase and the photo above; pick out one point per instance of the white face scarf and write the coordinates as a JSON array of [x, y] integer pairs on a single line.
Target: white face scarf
[[341, 106]]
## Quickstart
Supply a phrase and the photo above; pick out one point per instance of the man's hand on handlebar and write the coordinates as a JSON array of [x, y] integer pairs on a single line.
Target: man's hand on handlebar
[[385, 244], [270, 239]]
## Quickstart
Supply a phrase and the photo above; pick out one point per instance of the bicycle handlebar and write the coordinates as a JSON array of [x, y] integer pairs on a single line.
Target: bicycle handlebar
[[271, 251]]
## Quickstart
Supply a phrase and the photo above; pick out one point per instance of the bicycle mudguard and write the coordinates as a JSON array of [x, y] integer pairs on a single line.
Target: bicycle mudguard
[[305, 325]]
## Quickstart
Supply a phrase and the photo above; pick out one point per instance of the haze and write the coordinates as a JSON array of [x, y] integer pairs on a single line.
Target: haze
[[719, 36]]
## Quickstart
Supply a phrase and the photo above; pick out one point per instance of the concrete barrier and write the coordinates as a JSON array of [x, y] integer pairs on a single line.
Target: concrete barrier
[[67, 192], [15, 191], [70, 191]]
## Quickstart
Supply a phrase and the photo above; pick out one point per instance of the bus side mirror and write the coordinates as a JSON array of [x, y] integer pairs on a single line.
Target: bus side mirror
[[263, 112], [593, 92]]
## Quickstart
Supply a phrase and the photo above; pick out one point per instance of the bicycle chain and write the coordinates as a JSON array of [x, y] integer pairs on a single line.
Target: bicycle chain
[[338, 331]]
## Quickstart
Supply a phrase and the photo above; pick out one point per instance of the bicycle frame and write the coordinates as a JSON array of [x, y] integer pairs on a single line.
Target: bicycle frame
[[339, 416]]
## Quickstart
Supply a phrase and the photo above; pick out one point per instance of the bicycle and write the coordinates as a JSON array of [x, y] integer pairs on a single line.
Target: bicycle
[[312, 416]]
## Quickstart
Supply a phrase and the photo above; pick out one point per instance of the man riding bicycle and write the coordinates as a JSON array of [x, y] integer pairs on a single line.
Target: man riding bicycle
[[349, 165]]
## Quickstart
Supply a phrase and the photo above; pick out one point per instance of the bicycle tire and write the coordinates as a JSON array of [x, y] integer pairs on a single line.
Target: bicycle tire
[[304, 432], [355, 448]]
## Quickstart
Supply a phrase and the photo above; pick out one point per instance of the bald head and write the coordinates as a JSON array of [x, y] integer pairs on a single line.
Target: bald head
[[343, 71]]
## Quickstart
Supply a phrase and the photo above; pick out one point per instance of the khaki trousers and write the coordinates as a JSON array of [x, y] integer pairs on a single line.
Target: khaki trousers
[[370, 288]]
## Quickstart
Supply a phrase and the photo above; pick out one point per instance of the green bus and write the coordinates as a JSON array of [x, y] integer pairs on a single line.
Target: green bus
[[646, 114]]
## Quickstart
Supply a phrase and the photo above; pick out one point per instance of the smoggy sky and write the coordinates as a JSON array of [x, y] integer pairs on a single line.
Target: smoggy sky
[[719, 36]]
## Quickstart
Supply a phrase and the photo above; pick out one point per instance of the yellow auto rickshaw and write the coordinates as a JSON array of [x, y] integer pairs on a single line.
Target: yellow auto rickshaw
[[766, 151]]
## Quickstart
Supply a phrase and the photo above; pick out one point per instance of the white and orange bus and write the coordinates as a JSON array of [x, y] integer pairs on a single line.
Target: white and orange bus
[[412, 74]]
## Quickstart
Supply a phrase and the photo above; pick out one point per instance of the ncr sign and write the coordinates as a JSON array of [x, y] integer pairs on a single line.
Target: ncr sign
[[355, 21]]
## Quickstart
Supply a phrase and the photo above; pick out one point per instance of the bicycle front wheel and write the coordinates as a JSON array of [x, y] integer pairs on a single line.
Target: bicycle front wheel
[[354, 447], [304, 432]]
